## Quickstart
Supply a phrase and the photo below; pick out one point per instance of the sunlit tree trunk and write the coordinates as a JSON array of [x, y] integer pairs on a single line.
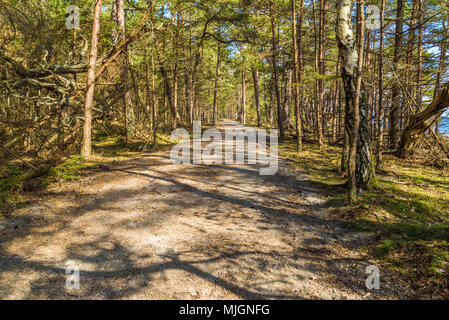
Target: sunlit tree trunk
[[255, 74], [317, 124], [86, 149], [243, 107], [395, 110], [322, 70], [380, 109], [217, 69], [297, 65], [275, 71]]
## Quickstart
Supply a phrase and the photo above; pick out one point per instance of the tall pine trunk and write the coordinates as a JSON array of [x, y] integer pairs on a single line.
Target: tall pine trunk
[[127, 103], [255, 74], [380, 109], [275, 71], [395, 111], [217, 69], [86, 149]]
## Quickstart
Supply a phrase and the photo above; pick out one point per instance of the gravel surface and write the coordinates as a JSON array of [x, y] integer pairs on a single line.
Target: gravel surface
[[151, 229]]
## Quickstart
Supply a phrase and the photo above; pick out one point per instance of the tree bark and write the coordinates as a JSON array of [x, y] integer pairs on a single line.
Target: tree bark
[[255, 74], [380, 110], [349, 58], [127, 104], [322, 70], [86, 149], [243, 109], [297, 66], [420, 55], [275, 71], [395, 111], [217, 69], [363, 158]]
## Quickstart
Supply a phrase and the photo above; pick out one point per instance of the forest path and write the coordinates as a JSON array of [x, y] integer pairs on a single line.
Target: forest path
[[150, 229]]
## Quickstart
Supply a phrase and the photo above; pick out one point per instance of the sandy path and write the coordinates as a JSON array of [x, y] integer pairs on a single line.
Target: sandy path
[[149, 229]]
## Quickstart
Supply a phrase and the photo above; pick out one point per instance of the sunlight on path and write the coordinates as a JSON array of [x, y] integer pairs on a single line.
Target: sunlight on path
[[149, 229]]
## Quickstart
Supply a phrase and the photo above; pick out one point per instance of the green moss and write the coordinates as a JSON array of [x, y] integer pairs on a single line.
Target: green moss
[[385, 247], [68, 171]]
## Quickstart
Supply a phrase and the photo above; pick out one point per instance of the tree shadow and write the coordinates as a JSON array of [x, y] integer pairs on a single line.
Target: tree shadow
[[115, 268]]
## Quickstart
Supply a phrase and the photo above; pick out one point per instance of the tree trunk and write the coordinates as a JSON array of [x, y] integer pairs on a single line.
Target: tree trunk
[[175, 112], [86, 150], [317, 71], [275, 71], [441, 66], [420, 55], [363, 158], [127, 104], [297, 67], [349, 58], [442, 61], [255, 74], [187, 96], [287, 97], [395, 111], [421, 122], [217, 69], [322, 70], [243, 109], [380, 110]]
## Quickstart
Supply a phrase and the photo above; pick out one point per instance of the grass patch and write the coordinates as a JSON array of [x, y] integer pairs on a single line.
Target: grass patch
[[408, 207], [68, 171]]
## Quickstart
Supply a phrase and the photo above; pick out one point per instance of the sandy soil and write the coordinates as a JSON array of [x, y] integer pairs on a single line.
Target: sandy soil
[[150, 229]]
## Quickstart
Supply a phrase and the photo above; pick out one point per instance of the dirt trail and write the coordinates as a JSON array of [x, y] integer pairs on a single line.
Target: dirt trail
[[150, 229]]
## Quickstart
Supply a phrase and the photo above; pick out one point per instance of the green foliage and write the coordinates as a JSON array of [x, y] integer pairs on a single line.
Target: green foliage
[[384, 247], [68, 171]]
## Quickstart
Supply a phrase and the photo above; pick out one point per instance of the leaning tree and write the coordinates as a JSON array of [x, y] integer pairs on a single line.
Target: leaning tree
[[420, 122]]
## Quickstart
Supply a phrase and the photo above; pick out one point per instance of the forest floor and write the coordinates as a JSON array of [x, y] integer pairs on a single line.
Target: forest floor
[[150, 229]]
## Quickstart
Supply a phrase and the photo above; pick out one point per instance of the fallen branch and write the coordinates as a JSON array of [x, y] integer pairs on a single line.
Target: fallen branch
[[19, 158]]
